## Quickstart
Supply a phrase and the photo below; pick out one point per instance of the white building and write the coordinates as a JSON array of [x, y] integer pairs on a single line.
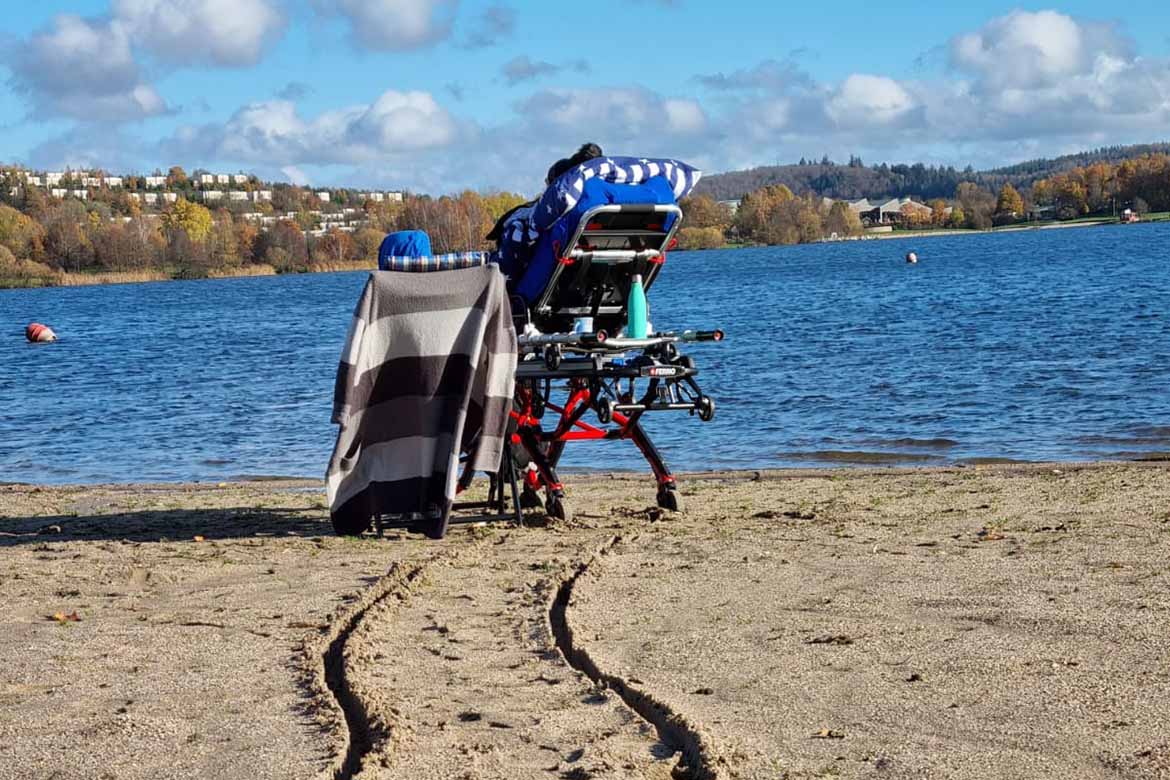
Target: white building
[[213, 195], [237, 195], [170, 197], [240, 178], [376, 197], [92, 181], [259, 195], [80, 194], [323, 196], [150, 198], [57, 192], [53, 179], [113, 181], [223, 178], [35, 181], [134, 196], [207, 178], [156, 181], [395, 197]]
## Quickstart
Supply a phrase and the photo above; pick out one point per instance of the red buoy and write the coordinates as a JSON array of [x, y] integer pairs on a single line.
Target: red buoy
[[36, 332]]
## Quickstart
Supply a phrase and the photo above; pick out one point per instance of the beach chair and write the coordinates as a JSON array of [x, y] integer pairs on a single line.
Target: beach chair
[[572, 261]]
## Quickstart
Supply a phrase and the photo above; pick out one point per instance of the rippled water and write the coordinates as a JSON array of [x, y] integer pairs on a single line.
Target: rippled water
[[1042, 345]]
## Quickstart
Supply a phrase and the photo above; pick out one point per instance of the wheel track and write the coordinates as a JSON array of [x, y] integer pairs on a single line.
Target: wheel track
[[698, 760], [362, 728]]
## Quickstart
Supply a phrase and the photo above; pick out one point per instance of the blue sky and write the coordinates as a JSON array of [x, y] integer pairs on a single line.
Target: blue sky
[[438, 95]]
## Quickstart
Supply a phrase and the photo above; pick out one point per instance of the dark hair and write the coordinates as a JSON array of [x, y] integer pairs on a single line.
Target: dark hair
[[559, 167], [588, 151]]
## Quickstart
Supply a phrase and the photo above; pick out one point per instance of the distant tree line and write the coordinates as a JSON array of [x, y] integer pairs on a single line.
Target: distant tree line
[[43, 238]]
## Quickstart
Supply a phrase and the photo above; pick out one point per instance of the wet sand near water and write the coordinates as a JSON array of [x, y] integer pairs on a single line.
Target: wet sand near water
[[991, 621]]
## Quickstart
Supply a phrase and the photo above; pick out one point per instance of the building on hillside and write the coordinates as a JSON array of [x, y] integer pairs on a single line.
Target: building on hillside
[[259, 195], [376, 197], [223, 178], [892, 212], [206, 179], [237, 195], [211, 195], [150, 198], [80, 194], [156, 181], [239, 178], [324, 196], [170, 197], [113, 181], [92, 181], [394, 197], [57, 192], [53, 179], [732, 205]]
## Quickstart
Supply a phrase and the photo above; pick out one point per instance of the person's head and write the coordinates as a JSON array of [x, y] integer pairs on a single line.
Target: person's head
[[559, 167], [588, 151]]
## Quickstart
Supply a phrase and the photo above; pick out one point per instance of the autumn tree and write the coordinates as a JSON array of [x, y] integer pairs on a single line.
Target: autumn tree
[[1009, 206], [191, 218]]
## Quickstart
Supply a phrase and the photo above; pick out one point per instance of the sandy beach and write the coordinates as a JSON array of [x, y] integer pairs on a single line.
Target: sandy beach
[[980, 621]]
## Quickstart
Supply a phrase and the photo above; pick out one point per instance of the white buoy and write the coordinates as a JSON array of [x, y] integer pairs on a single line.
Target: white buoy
[[911, 257], [38, 333]]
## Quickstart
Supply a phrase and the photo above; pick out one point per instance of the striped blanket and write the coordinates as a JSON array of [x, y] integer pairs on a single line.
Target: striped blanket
[[427, 372]]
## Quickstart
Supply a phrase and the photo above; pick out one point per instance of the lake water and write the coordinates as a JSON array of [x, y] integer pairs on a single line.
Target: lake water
[[1041, 345]]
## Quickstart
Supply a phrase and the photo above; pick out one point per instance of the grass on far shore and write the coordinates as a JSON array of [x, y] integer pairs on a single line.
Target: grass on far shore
[[89, 278]]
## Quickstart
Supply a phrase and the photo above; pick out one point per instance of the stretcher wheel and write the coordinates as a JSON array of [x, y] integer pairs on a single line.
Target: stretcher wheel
[[557, 507], [605, 411], [350, 524], [552, 358], [669, 499], [706, 408]]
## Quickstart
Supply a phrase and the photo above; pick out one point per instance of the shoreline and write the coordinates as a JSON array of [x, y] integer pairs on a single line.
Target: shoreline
[[97, 279]]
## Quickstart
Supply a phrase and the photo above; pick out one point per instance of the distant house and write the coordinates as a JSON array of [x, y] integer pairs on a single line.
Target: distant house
[[223, 178], [113, 181], [239, 178], [170, 197], [1041, 213], [732, 205], [210, 195], [207, 178], [35, 181], [156, 181], [259, 195], [57, 192], [80, 194], [53, 179], [150, 198], [395, 197], [92, 181], [237, 195], [891, 212], [323, 196]]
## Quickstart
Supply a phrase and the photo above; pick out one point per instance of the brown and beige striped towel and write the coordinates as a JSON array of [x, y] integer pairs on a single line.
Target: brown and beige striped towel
[[429, 363]]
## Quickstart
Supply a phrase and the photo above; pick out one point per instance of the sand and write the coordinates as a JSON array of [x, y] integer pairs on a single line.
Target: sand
[[991, 621]]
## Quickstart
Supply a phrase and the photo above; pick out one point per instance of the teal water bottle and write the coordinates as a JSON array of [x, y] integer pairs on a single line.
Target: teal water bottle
[[636, 310]]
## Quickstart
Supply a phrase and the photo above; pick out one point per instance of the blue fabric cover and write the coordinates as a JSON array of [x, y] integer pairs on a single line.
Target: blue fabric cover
[[562, 195], [404, 243], [595, 192]]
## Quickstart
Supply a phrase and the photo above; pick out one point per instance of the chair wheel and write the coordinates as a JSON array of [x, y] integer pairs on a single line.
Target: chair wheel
[[530, 499], [669, 499], [706, 408], [605, 411], [557, 507]]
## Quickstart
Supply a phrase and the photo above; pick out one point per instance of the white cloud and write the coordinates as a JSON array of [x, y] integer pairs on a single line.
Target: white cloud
[[273, 132], [220, 32], [395, 25], [863, 100], [83, 68], [1028, 50]]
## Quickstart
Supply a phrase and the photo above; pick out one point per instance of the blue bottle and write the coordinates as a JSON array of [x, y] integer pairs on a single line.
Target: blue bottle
[[636, 307]]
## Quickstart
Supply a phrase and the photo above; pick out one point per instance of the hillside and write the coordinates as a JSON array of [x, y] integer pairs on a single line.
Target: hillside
[[854, 180]]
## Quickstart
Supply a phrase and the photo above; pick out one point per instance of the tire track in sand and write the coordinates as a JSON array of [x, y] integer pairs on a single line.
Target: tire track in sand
[[352, 712], [698, 758]]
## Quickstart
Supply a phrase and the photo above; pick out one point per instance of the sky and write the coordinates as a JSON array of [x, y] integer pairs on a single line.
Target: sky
[[441, 95]]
